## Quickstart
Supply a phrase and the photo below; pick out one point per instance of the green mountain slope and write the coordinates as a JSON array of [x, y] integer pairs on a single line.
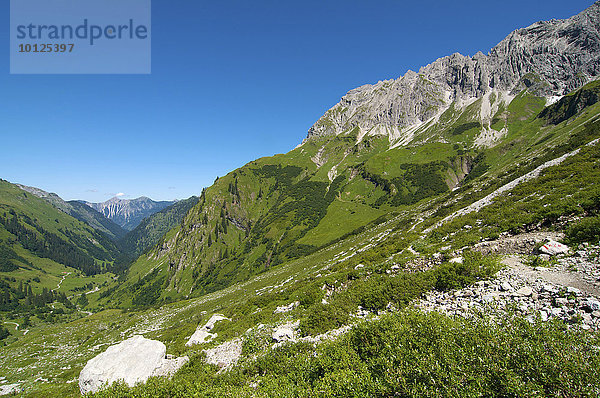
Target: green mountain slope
[[42, 249], [276, 209], [155, 226], [96, 220], [353, 272], [80, 211]]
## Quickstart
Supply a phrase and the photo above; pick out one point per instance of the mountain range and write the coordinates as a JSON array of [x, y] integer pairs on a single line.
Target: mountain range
[[458, 122], [390, 200], [128, 213]]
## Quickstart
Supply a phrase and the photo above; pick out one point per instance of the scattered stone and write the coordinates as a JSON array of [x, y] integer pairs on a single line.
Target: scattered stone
[[536, 293], [556, 311], [359, 266], [573, 290], [458, 260], [286, 308], [525, 291], [561, 301], [202, 333], [592, 305], [285, 332], [550, 289], [132, 360]]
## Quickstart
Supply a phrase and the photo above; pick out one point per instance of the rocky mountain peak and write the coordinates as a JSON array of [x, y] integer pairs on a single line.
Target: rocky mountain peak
[[548, 58], [128, 213]]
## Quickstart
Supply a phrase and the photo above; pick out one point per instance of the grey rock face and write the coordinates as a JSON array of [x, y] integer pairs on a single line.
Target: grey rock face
[[548, 58]]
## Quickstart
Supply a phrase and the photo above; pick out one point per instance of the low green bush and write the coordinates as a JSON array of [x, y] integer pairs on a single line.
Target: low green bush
[[409, 354], [585, 230]]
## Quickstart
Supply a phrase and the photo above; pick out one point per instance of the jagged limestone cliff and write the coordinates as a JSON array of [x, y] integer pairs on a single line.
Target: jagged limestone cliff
[[549, 59]]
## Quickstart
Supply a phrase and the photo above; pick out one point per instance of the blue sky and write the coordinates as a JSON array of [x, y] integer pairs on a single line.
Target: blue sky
[[231, 81]]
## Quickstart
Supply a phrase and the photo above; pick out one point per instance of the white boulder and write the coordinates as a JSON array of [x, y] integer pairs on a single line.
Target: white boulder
[[9, 389], [553, 248], [202, 333], [132, 361]]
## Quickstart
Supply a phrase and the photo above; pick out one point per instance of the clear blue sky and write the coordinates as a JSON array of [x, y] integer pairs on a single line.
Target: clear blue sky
[[231, 81]]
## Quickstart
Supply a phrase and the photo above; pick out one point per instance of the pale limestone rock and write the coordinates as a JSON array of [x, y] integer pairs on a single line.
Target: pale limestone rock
[[226, 354], [132, 361], [548, 59], [202, 333]]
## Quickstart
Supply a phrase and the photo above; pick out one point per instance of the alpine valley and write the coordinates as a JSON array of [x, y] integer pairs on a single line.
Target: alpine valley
[[433, 235]]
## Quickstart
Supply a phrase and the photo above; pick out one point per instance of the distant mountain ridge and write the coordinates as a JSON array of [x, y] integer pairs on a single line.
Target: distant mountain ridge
[[128, 213], [80, 211]]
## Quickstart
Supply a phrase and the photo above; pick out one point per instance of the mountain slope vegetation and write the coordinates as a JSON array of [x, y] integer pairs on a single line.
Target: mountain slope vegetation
[[385, 202], [154, 227]]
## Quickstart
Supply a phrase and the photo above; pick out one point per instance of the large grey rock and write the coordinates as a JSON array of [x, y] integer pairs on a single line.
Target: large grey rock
[[132, 361]]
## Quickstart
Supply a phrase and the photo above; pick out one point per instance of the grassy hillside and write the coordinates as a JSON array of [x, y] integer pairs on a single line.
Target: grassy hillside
[[276, 209], [155, 226], [47, 259], [367, 353], [326, 222]]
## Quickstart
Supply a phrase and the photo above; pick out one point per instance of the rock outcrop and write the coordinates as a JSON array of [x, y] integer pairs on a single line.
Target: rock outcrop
[[132, 361], [548, 58], [202, 333], [225, 355]]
